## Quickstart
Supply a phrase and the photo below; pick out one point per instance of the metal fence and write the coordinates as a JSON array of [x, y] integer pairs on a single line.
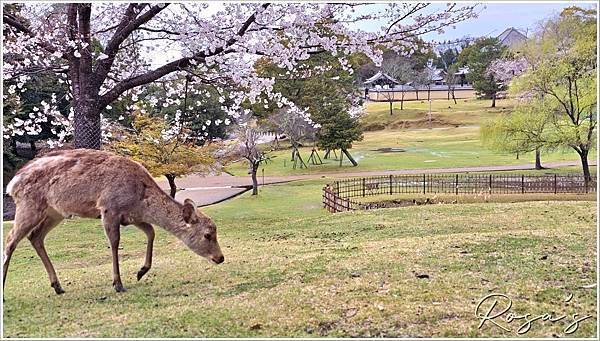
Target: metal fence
[[336, 196]]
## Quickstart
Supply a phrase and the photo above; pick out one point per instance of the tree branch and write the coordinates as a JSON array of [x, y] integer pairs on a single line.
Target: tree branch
[[178, 64], [129, 24]]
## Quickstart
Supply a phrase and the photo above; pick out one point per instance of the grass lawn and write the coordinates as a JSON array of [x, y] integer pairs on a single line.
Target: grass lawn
[[441, 147], [443, 113], [292, 269]]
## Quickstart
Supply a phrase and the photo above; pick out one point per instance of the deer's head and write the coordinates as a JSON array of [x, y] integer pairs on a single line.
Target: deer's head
[[202, 233]]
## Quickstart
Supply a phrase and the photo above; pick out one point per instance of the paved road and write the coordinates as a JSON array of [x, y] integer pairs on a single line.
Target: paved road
[[213, 189]]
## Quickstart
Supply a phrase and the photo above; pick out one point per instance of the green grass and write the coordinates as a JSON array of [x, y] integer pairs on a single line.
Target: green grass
[[443, 113], [455, 145], [436, 148], [292, 269]]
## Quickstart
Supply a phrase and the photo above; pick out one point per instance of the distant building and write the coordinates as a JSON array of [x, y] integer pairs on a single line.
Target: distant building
[[435, 76], [462, 74], [511, 37], [381, 80]]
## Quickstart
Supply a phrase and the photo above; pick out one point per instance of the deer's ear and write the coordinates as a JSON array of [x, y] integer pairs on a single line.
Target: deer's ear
[[189, 210]]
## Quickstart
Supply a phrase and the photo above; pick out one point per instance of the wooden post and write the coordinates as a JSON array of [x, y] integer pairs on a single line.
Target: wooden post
[[456, 184], [363, 187], [490, 184], [522, 183], [555, 189], [391, 188], [423, 183]]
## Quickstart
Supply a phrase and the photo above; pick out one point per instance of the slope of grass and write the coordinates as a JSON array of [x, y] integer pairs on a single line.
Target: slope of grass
[[444, 113], [292, 269]]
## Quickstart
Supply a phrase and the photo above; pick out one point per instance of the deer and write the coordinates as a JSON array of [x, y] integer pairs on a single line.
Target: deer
[[101, 185]]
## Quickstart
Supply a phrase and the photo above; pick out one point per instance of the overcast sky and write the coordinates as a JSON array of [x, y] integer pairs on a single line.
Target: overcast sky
[[496, 17]]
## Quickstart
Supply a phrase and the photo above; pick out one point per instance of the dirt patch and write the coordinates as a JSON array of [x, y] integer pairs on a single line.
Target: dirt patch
[[389, 150]]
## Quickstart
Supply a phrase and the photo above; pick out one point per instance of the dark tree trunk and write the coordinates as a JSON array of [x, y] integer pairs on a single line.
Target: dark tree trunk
[[391, 112], [13, 146], [327, 154], [417, 93], [87, 133], [585, 166], [454, 97], [32, 147], [494, 100], [429, 93], [354, 163], [172, 186], [402, 102], [538, 160], [254, 170]]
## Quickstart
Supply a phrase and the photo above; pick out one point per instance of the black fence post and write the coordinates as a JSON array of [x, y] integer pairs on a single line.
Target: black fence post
[[555, 189], [522, 183], [423, 183], [490, 185], [456, 184], [391, 185], [363, 186]]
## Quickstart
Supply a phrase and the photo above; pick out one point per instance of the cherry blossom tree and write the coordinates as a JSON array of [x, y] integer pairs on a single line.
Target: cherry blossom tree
[[504, 70], [102, 50]]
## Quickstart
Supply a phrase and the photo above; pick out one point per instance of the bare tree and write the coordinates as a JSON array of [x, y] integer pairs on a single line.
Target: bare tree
[[400, 69], [451, 79], [248, 137], [297, 127]]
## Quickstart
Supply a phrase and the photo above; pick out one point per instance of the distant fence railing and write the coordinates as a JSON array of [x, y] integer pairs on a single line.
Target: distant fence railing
[[337, 195]]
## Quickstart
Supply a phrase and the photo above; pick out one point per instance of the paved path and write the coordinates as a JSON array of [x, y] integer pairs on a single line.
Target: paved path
[[213, 189]]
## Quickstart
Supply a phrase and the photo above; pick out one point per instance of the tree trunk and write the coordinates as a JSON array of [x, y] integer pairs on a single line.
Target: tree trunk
[[254, 179], [538, 160], [429, 93], [354, 163], [327, 154], [494, 100], [402, 102], [32, 147], [171, 179], [585, 166], [87, 133], [391, 112], [454, 97], [417, 93]]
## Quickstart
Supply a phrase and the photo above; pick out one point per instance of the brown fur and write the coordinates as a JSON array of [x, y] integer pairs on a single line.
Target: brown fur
[[97, 184]]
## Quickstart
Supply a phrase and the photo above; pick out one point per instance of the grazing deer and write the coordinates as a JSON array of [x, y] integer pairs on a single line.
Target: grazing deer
[[97, 184]]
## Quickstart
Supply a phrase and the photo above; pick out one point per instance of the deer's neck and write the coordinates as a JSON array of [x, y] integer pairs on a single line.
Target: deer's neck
[[160, 209]]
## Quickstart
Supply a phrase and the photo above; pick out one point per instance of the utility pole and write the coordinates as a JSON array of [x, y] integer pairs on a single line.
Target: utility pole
[[430, 113]]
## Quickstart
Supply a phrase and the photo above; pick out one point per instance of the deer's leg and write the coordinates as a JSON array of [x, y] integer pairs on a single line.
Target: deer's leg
[[36, 238], [25, 221], [111, 228], [149, 231]]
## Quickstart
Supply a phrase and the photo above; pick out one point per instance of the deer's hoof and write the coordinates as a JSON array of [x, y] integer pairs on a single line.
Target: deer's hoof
[[57, 288], [119, 287], [142, 272]]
